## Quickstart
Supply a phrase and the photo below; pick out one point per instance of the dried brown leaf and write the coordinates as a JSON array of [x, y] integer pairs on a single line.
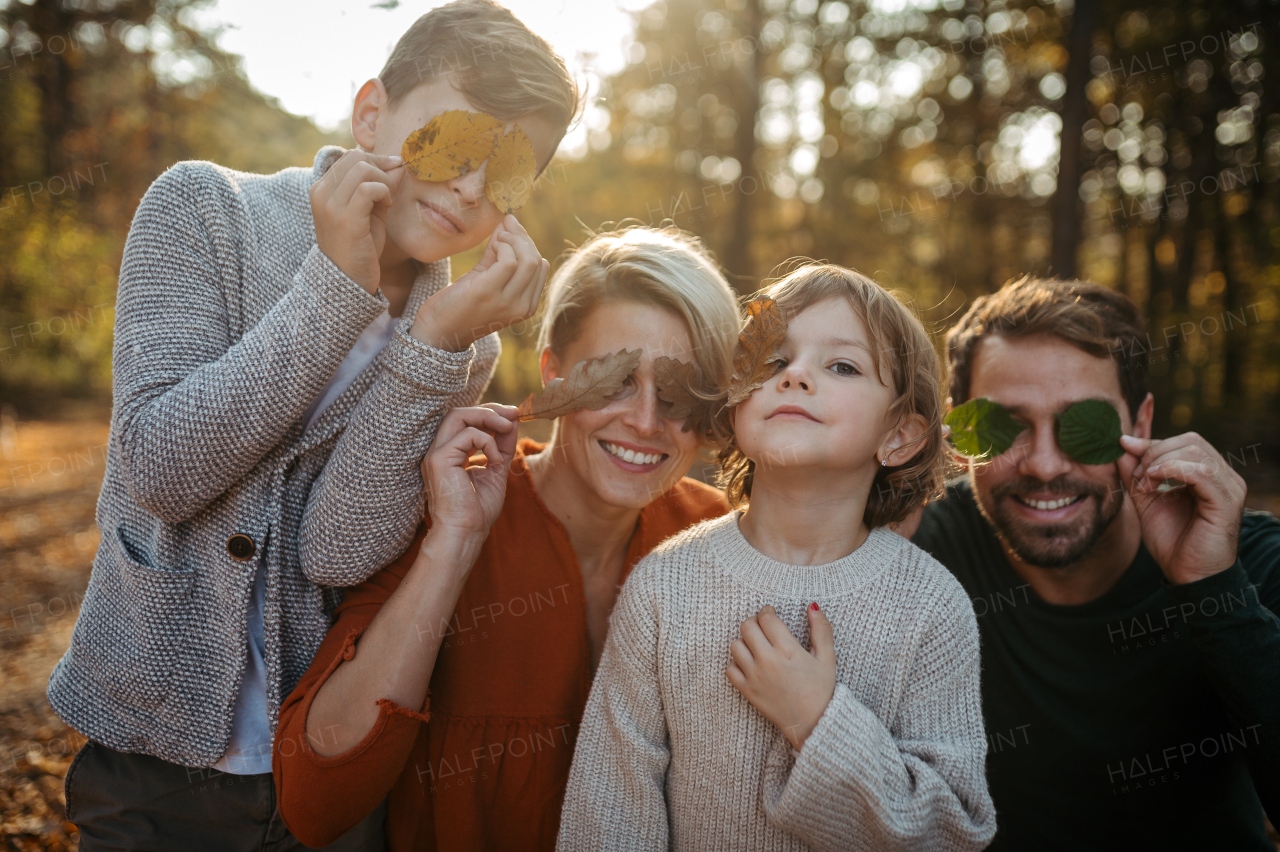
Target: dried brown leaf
[[676, 380], [589, 385], [753, 361]]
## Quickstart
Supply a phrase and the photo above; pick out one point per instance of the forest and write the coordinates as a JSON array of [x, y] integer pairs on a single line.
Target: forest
[[943, 147]]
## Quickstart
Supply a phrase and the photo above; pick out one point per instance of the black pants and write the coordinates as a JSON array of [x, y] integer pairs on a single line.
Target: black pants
[[122, 801]]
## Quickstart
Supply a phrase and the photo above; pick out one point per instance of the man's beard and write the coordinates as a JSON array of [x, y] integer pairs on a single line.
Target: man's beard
[[1053, 545]]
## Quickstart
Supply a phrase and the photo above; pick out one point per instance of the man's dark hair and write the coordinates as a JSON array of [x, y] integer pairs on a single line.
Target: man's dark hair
[[1089, 316]]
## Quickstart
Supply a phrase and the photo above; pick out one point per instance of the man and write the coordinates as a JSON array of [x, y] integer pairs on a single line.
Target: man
[[1130, 644]]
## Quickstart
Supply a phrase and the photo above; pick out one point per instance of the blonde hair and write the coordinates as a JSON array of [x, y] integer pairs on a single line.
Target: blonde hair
[[898, 341], [663, 267], [488, 55]]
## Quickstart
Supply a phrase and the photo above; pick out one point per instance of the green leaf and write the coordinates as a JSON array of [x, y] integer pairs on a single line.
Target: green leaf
[[982, 429], [1089, 432]]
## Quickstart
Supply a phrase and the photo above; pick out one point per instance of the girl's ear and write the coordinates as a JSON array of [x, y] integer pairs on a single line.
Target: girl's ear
[[902, 444]]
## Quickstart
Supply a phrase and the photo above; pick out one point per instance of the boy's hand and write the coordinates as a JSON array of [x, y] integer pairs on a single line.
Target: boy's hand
[[349, 206], [504, 287], [465, 501], [791, 687]]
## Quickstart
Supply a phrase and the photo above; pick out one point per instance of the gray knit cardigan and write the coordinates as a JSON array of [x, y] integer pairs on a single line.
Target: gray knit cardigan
[[230, 321]]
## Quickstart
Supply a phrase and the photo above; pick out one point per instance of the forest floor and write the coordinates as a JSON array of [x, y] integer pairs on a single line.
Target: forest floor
[[50, 473]]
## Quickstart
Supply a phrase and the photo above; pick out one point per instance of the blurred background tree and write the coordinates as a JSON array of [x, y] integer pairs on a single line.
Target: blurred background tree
[[942, 146], [96, 100]]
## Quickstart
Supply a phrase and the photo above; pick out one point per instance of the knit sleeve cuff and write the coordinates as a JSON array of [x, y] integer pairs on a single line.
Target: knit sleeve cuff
[[426, 369], [336, 293]]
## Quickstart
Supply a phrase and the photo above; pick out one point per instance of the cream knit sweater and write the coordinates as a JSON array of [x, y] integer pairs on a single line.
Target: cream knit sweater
[[670, 755]]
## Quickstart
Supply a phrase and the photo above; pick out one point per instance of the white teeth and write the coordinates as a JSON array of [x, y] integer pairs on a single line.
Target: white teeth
[[632, 456], [1049, 504]]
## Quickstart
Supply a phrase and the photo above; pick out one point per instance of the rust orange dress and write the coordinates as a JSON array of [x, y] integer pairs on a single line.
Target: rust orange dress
[[485, 764]]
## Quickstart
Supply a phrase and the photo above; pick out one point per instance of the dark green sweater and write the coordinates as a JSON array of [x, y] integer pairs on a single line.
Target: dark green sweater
[[1146, 719]]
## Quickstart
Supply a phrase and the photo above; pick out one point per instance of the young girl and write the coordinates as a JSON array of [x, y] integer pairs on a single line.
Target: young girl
[[709, 725]]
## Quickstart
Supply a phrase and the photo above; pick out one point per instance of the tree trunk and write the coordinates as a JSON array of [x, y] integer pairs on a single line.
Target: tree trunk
[[738, 259], [1075, 107]]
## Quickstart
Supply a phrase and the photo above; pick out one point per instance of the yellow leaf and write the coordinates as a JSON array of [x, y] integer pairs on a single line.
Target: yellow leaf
[[451, 144], [511, 170], [589, 385]]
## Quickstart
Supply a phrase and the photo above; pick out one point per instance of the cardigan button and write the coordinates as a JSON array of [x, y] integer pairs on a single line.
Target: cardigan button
[[241, 547]]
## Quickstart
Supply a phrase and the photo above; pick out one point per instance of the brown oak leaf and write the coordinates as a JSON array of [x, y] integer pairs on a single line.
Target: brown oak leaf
[[676, 380], [589, 385], [757, 351]]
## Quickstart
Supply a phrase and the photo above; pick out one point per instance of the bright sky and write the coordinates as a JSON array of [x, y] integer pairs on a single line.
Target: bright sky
[[314, 54]]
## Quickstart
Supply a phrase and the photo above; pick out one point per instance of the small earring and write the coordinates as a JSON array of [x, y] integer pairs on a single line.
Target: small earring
[[884, 462]]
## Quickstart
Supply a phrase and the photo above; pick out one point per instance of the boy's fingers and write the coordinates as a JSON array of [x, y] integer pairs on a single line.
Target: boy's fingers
[[822, 642], [361, 174], [528, 264], [532, 307]]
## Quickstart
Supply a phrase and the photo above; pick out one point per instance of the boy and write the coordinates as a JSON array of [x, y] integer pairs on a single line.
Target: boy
[[285, 347]]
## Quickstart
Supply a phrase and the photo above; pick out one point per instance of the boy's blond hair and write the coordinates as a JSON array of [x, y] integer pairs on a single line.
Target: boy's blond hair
[[490, 57], [899, 341], [663, 267]]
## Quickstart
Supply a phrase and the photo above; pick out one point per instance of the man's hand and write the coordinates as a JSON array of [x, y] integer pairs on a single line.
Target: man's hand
[[349, 206], [791, 687], [503, 288], [465, 501], [1191, 532]]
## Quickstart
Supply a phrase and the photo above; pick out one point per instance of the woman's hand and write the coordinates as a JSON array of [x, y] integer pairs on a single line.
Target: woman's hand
[[465, 501], [791, 687]]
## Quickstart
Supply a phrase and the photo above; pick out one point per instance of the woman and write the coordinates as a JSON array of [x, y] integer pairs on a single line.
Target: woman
[[501, 604]]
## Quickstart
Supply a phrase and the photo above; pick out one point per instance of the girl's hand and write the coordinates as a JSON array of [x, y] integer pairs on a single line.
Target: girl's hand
[[791, 687], [465, 501]]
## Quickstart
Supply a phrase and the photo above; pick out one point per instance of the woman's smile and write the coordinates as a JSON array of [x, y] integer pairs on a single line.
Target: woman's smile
[[632, 457]]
